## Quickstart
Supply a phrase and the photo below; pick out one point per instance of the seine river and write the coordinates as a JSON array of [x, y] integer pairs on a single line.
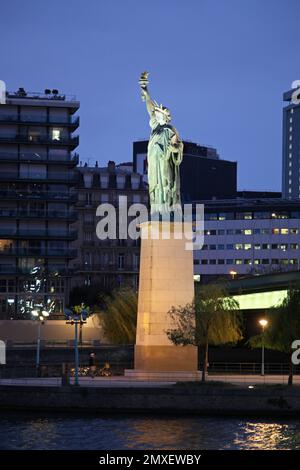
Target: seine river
[[56, 431]]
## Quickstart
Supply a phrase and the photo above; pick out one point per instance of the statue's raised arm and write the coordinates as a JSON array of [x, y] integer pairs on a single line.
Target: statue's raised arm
[[145, 93]]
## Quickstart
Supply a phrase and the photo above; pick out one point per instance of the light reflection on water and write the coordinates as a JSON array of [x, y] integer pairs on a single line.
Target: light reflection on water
[[50, 431]]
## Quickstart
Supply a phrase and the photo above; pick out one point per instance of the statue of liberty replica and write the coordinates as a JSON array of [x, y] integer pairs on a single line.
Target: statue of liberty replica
[[165, 152], [166, 267]]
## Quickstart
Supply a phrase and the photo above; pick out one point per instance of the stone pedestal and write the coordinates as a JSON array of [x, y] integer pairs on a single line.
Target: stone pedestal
[[166, 280]]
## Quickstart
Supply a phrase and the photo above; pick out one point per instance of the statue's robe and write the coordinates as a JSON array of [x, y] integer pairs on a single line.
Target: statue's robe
[[165, 150]]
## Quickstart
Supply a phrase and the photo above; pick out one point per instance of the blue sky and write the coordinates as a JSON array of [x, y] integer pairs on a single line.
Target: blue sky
[[221, 66]]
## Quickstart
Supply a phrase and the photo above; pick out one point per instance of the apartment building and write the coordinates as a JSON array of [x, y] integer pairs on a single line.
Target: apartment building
[[106, 263], [37, 178]]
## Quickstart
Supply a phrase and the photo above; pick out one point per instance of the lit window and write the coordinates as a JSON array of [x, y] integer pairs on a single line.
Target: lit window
[[247, 246], [248, 231], [284, 231], [238, 246], [55, 134]]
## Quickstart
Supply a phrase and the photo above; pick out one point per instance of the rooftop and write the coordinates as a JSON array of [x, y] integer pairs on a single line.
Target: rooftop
[[48, 94]]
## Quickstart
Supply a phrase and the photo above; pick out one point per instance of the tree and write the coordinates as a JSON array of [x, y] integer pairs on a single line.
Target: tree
[[212, 319], [119, 317], [283, 328], [92, 295]]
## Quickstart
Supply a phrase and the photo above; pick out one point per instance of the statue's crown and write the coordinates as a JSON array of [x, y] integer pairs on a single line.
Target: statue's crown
[[162, 109]]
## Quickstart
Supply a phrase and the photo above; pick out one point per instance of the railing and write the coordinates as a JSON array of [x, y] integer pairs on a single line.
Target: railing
[[27, 156], [39, 252], [40, 119], [39, 213], [39, 95], [106, 268], [39, 195], [248, 368], [61, 176], [50, 270], [37, 233], [40, 139]]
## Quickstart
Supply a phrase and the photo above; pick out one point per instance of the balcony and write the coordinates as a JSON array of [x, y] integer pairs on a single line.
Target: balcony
[[33, 157], [38, 233], [50, 177], [39, 196], [40, 214], [40, 252], [109, 268], [29, 139], [71, 122], [49, 271]]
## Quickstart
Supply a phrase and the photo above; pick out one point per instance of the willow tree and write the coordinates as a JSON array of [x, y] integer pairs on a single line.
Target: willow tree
[[212, 319], [283, 328], [119, 317]]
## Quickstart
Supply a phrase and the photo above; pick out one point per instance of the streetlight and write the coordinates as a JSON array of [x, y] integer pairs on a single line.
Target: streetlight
[[41, 316], [76, 317], [263, 323], [233, 273]]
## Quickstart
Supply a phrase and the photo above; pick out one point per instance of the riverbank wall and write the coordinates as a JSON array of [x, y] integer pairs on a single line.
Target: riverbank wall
[[272, 401]]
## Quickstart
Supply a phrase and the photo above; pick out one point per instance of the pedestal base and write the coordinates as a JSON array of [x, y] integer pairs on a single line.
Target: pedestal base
[[162, 358], [166, 280]]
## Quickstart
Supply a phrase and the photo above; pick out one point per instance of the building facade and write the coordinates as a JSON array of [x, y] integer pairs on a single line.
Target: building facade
[[106, 263], [291, 147], [203, 175], [36, 204], [248, 236]]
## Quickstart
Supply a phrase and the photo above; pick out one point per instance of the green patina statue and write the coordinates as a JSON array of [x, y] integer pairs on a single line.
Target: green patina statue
[[165, 152]]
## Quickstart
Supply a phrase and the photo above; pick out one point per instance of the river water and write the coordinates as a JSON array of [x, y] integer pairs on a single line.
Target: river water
[[57, 431]]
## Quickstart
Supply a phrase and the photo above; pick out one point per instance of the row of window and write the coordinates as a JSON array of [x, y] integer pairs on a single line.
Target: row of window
[[255, 246], [255, 231], [252, 215], [52, 286], [286, 261], [112, 198]]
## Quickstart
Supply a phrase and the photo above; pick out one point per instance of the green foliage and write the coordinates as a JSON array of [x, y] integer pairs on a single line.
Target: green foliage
[[78, 308], [283, 325], [213, 318], [119, 317]]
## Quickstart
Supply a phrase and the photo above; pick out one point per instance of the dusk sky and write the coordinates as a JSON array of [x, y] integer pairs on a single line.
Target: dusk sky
[[221, 67]]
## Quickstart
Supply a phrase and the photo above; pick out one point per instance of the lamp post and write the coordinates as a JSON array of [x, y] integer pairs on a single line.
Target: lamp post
[[76, 317], [263, 323], [41, 316]]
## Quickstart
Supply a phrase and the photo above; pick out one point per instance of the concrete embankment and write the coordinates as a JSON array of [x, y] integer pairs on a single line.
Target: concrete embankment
[[228, 400]]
